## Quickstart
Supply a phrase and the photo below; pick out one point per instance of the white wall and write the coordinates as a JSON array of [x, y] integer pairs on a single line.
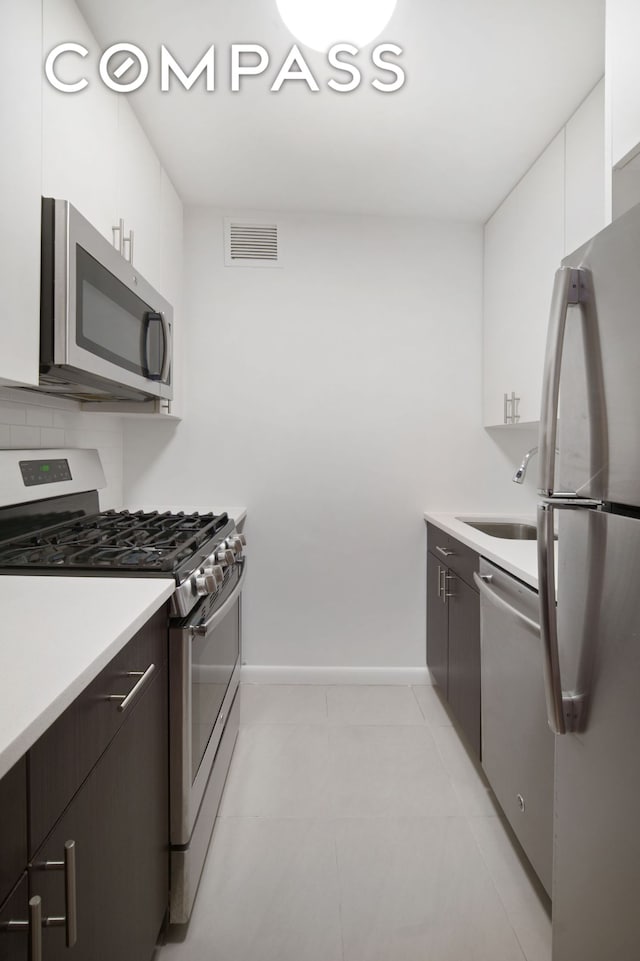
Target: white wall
[[338, 398], [38, 421]]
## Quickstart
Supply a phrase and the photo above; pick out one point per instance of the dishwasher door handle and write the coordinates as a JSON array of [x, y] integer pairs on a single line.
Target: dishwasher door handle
[[482, 582]]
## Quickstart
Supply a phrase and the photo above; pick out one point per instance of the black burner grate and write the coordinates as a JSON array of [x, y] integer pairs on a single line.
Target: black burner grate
[[115, 540]]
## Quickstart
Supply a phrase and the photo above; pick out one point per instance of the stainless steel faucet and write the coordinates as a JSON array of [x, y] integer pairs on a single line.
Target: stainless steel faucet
[[521, 473]]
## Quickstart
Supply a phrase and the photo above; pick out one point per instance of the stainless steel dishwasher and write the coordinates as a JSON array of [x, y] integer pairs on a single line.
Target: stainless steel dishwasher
[[517, 744]]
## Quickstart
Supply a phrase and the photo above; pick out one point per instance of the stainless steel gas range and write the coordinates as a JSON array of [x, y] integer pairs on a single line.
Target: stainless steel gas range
[[51, 523]]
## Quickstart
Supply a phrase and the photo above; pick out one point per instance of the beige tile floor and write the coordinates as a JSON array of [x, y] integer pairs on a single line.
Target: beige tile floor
[[354, 827]]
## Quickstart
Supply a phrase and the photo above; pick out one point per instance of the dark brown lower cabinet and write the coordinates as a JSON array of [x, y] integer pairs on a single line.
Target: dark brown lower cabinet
[[437, 624], [118, 820], [13, 827], [464, 661], [14, 944], [453, 630]]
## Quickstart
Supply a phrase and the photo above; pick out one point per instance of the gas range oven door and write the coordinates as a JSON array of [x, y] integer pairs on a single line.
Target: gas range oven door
[[204, 659]]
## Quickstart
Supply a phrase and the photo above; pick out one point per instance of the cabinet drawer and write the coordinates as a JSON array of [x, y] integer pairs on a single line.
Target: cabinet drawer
[[459, 558], [63, 757], [119, 821], [437, 542], [13, 827]]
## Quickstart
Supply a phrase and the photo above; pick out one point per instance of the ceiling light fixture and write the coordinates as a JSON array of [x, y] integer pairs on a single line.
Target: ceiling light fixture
[[321, 23]]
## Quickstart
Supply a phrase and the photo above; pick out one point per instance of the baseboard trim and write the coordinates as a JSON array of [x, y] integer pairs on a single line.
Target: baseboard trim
[[285, 674]]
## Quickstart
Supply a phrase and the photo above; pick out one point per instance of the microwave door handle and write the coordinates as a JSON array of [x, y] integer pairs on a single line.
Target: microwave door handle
[[167, 342], [154, 317]]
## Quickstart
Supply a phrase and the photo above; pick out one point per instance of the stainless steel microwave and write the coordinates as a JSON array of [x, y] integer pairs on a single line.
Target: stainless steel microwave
[[105, 333]]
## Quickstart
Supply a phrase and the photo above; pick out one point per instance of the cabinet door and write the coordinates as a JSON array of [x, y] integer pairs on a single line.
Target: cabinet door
[[14, 945], [524, 245], [139, 195], [585, 172], [464, 659], [623, 75], [13, 827], [437, 623], [79, 130], [21, 179], [66, 753], [119, 821]]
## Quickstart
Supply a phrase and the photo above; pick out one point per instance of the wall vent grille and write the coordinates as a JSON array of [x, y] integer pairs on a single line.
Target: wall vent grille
[[251, 244]]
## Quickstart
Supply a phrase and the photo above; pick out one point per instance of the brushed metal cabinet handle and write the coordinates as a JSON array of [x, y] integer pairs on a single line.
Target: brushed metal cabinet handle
[[119, 230], [445, 552], [70, 919], [442, 579], [515, 405], [134, 693], [33, 926], [128, 240], [71, 893]]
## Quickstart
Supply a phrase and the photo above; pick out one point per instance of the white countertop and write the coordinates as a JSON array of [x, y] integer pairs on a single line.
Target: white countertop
[[57, 635], [519, 558]]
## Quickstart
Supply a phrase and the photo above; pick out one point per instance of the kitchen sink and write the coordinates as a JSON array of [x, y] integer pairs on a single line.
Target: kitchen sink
[[507, 529]]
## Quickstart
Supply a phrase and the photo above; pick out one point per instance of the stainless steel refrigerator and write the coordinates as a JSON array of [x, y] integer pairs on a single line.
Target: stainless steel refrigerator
[[591, 637]]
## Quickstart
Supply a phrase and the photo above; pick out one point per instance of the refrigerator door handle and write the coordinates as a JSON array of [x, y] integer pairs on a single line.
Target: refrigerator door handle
[[568, 288], [548, 621], [564, 709]]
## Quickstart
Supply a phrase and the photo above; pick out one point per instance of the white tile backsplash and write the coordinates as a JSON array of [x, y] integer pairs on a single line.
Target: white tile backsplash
[[39, 416], [25, 436], [39, 421]]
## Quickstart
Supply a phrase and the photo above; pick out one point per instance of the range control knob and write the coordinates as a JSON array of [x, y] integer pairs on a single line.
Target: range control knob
[[205, 583], [225, 557], [215, 571], [236, 544]]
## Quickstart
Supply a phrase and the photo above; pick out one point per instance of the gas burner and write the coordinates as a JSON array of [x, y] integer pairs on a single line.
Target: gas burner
[[65, 533], [117, 540]]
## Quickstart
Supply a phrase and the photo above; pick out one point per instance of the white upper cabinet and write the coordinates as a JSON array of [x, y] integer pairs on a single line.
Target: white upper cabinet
[[623, 76], [79, 130], [524, 244], [96, 154], [557, 206], [139, 197], [585, 213], [20, 177]]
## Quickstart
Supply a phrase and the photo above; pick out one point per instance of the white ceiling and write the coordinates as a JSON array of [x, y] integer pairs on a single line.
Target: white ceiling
[[489, 83]]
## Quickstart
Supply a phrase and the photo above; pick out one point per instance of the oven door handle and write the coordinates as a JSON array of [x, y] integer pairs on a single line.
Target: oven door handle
[[220, 614]]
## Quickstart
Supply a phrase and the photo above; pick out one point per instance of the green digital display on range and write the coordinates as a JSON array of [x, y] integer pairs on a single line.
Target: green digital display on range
[[45, 468]]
